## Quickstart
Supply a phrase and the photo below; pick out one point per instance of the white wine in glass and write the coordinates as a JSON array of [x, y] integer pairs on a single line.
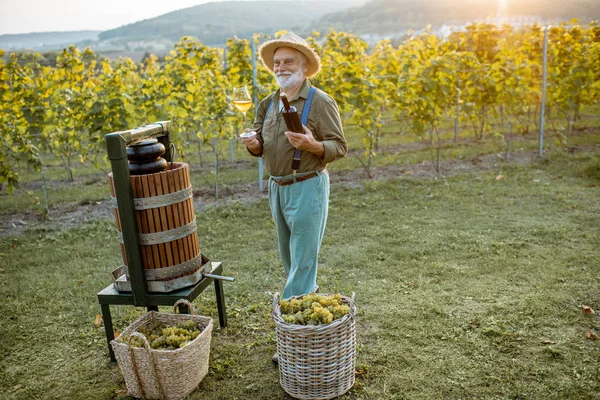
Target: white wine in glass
[[242, 100]]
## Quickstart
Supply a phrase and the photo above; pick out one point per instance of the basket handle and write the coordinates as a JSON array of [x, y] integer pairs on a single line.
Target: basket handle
[[152, 364], [186, 303], [352, 305], [275, 299]]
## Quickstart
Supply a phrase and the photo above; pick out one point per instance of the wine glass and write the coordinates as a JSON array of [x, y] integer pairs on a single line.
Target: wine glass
[[242, 100]]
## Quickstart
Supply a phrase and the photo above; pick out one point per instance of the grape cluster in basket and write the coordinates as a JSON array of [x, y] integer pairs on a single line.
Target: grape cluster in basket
[[313, 309], [169, 337]]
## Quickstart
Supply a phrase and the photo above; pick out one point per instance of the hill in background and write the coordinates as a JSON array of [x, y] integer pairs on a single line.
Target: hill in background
[[389, 17], [214, 23], [45, 40]]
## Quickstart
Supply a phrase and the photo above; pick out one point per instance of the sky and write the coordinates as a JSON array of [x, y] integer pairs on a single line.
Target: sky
[[24, 16]]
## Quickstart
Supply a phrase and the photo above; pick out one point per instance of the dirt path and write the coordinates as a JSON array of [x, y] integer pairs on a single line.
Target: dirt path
[[73, 214]]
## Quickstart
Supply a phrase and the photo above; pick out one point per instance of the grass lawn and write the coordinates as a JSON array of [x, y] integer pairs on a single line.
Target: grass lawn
[[467, 286]]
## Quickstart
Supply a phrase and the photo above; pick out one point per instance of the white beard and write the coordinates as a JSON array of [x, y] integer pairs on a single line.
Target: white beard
[[285, 80]]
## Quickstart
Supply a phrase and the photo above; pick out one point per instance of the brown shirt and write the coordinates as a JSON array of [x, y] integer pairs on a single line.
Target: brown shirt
[[323, 121]]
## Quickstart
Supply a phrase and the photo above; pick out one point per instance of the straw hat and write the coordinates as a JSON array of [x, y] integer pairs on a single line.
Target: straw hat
[[289, 39]]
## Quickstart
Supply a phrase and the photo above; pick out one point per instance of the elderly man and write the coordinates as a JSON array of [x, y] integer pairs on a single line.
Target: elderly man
[[298, 195]]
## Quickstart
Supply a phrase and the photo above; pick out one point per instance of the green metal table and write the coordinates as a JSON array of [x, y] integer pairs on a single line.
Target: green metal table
[[111, 296]]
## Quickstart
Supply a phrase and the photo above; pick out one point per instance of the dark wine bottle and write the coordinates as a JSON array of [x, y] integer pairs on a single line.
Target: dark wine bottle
[[290, 116]]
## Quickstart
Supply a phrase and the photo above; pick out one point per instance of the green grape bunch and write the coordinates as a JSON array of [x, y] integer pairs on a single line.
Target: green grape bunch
[[313, 309], [167, 337]]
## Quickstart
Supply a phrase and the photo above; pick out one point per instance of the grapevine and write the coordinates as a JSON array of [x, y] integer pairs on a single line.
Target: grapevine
[[66, 106]]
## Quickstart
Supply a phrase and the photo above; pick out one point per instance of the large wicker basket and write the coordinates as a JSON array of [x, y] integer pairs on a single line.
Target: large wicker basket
[[164, 374], [316, 362]]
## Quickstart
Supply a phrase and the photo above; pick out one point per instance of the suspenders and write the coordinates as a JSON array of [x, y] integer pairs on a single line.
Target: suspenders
[[304, 120]]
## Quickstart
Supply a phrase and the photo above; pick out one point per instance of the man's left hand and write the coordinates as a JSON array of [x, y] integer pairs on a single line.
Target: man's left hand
[[306, 141]]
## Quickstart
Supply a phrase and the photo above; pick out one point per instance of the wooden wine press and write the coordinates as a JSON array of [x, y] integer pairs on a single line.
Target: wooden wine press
[[148, 277]]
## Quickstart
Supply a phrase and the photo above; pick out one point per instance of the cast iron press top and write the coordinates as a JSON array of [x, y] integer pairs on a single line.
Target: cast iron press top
[[145, 157]]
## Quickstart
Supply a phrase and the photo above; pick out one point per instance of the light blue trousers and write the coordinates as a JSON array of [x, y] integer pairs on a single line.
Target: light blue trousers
[[300, 214]]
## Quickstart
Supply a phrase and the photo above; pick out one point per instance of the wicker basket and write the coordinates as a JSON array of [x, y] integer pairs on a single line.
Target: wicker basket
[[164, 374], [316, 362]]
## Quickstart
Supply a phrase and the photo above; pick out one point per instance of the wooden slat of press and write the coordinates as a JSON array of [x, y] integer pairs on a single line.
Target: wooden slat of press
[[183, 214], [190, 202], [160, 190], [142, 217], [190, 217], [185, 183], [194, 236], [157, 225], [151, 225], [172, 214], [111, 184], [139, 216], [177, 217], [172, 252]]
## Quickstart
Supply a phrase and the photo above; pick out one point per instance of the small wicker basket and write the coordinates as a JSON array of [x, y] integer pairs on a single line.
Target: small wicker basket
[[164, 374], [316, 362]]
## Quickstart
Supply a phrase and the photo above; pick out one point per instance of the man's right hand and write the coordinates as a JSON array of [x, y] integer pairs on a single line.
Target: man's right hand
[[252, 143]]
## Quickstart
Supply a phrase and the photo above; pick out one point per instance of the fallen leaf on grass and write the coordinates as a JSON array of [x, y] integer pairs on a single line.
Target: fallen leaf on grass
[[591, 335], [408, 172], [588, 310], [500, 177], [117, 334], [80, 281], [359, 372], [98, 321], [2, 270], [548, 342]]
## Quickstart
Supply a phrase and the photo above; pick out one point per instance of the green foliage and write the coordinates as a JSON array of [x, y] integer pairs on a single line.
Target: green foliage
[[484, 74], [72, 84], [427, 85], [19, 118], [346, 75], [574, 71], [238, 63]]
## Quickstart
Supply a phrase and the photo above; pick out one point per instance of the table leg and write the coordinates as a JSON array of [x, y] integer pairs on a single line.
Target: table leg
[[220, 303], [152, 308], [108, 328]]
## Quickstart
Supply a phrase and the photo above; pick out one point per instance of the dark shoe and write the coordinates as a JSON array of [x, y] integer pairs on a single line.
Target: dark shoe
[[318, 289], [275, 358]]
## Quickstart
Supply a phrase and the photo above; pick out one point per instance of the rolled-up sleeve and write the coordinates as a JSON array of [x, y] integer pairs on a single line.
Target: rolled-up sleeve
[[329, 129], [258, 122]]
